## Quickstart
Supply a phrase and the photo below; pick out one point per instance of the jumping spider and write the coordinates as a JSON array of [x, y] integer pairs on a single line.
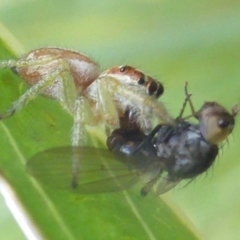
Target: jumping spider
[[91, 98]]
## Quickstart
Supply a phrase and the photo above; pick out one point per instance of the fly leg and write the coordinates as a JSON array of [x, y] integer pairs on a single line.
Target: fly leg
[[187, 100]]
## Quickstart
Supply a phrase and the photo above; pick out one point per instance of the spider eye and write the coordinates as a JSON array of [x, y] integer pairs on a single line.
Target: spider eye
[[123, 69], [141, 81], [160, 90]]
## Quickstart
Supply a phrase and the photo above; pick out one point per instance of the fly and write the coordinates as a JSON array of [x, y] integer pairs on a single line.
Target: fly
[[169, 154], [184, 149]]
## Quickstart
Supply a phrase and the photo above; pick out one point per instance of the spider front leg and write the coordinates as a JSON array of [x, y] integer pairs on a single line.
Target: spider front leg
[[92, 108], [83, 116], [106, 106]]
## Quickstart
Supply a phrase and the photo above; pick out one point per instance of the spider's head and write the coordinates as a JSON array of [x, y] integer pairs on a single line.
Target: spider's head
[[134, 77]]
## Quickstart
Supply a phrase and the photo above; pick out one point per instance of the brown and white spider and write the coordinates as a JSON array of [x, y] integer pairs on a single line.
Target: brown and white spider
[[90, 97]]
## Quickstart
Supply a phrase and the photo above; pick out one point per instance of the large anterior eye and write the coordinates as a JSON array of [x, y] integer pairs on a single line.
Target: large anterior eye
[[160, 90], [141, 81]]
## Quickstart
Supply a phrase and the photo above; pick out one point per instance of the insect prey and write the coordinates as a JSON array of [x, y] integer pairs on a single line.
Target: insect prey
[[159, 160], [184, 150]]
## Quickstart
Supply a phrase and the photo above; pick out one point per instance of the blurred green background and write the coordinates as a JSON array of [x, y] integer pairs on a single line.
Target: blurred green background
[[174, 41]]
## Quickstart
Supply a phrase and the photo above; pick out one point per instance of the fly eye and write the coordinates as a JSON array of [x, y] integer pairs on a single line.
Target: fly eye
[[223, 123], [141, 81], [123, 69]]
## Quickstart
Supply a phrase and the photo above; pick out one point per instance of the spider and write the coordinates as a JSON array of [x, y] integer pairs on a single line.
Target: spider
[[91, 98]]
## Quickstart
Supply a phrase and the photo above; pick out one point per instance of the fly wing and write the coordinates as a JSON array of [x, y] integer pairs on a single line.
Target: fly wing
[[84, 170]]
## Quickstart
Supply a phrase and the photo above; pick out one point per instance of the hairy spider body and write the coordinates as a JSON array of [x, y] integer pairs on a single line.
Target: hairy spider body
[[90, 97], [127, 89], [39, 64]]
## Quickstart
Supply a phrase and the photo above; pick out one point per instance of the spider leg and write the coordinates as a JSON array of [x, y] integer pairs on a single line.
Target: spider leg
[[83, 115], [106, 106], [30, 94], [152, 107], [145, 106], [69, 92], [66, 96], [19, 63], [148, 107], [78, 137]]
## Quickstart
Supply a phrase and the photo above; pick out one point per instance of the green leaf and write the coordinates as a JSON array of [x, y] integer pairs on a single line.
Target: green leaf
[[60, 214]]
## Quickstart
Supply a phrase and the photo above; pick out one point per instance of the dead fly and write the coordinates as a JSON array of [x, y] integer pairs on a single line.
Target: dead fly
[[91, 98], [169, 154], [184, 150]]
